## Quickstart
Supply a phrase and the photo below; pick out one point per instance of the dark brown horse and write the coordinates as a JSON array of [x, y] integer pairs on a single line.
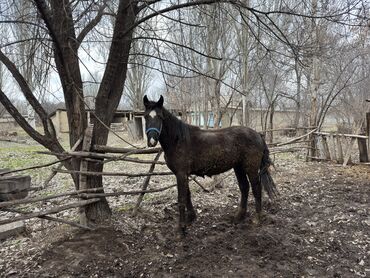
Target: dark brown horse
[[190, 150]]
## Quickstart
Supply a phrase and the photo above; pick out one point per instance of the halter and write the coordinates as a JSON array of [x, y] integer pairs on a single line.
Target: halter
[[154, 129]]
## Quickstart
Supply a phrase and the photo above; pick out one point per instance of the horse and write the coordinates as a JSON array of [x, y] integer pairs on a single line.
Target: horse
[[189, 150]]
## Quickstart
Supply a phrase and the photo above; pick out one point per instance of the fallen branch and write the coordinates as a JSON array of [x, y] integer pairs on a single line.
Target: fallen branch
[[45, 198], [344, 135], [34, 167], [296, 139], [193, 178], [49, 211], [78, 225]]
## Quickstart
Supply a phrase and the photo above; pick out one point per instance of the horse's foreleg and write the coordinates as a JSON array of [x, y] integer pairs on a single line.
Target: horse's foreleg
[[190, 213], [244, 191], [182, 190]]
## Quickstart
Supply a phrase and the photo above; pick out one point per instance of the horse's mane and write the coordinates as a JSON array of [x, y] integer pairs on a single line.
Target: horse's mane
[[176, 128]]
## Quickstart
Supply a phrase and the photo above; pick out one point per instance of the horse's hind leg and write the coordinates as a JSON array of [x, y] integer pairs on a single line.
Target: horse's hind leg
[[257, 192], [244, 190]]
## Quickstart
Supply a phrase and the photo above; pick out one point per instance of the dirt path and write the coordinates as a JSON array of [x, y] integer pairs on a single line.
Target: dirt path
[[319, 227]]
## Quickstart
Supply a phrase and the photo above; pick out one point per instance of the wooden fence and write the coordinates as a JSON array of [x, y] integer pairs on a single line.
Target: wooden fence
[[337, 150]]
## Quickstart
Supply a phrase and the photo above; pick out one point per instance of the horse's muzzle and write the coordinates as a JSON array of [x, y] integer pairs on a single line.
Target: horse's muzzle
[[152, 142]]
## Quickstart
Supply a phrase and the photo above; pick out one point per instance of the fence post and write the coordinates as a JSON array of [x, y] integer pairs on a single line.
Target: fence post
[[326, 147], [340, 149], [86, 144], [334, 150], [368, 131], [362, 148]]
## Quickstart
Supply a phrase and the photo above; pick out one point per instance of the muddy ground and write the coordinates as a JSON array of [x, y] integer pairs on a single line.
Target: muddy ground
[[318, 227]]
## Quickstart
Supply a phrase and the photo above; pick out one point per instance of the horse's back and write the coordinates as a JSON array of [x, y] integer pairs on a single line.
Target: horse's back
[[216, 151]]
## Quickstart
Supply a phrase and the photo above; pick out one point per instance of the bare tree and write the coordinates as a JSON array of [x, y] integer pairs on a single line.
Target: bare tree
[[68, 31]]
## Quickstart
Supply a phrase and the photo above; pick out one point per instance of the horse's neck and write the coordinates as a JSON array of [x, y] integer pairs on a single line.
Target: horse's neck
[[169, 137]]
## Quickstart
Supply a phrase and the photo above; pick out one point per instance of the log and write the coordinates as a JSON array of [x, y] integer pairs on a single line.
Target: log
[[145, 184], [107, 149], [49, 211], [118, 174]]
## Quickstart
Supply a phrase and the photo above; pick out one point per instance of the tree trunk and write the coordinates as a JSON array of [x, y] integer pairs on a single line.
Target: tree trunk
[[108, 98]]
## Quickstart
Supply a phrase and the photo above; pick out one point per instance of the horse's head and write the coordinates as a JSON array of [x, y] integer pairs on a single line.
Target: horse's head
[[153, 120]]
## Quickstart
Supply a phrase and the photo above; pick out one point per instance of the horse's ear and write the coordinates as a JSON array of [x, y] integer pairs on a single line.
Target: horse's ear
[[160, 102], [146, 101]]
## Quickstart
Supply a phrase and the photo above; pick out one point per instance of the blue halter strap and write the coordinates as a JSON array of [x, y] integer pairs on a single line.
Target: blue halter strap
[[154, 129]]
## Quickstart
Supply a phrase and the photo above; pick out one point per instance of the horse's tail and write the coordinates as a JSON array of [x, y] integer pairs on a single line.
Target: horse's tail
[[267, 182]]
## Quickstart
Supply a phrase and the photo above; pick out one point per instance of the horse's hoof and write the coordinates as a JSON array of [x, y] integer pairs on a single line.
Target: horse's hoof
[[181, 230], [240, 216], [259, 218], [190, 217]]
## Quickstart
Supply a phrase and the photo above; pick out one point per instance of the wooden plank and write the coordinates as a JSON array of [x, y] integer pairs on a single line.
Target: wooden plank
[[347, 157], [326, 148], [11, 229], [362, 150], [340, 149], [333, 149]]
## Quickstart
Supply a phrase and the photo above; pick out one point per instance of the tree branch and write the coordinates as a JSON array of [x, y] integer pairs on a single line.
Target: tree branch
[[46, 122]]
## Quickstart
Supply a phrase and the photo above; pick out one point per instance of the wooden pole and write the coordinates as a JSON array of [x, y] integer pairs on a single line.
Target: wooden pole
[[145, 184], [119, 193], [107, 149], [86, 144], [118, 174]]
